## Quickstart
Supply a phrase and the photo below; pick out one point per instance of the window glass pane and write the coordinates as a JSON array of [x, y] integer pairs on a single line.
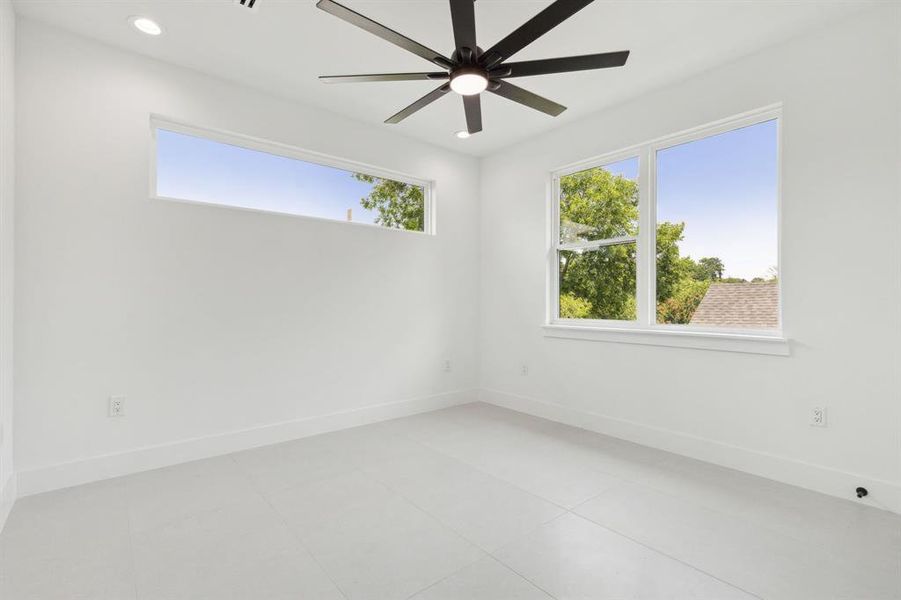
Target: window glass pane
[[599, 203], [203, 170], [717, 248], [598, 283]]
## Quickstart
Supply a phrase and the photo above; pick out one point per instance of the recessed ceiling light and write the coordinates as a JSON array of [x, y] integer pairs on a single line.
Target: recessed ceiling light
[[462, 134], [145, 25]]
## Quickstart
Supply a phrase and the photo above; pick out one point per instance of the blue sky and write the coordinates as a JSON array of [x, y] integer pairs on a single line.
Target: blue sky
[[193, 168], [723, 188]]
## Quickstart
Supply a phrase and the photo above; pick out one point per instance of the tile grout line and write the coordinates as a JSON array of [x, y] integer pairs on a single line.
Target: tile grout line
[[294, 535], [567, 510], [657, 550], [550, 595], [194, 513], [488, 553], [486, 473], [485, 553], [358, 468], [495, 559], [652, 549], [713, 509], [440, 522]]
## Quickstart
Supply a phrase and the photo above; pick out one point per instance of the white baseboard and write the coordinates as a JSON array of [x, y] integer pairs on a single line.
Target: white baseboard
[[883, 494], [97, 468], [7, 498]]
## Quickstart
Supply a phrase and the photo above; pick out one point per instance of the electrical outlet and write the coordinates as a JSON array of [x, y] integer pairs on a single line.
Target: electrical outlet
[[817, 417], [117, 406], [524, 370], [447, 366]]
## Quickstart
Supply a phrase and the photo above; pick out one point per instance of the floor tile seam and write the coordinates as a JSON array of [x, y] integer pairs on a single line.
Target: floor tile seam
[[513, 484], [489, 474], [449, 575], [711, 477], [666, 555], [483, 552], [742, 517], [305, 482], [461, 569], [494, 555], [302, 545], [459, 534], [193, 514], [427, 512]]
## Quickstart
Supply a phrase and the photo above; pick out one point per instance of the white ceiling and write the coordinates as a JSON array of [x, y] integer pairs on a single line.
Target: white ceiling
[[283, 45]]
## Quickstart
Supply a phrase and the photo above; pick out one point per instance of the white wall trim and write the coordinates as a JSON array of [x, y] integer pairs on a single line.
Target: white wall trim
[[884, 494], [62, 475], [750, 343], [7, 499]]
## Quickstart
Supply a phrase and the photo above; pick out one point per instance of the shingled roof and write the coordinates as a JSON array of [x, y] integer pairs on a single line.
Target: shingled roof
[[746, 305]]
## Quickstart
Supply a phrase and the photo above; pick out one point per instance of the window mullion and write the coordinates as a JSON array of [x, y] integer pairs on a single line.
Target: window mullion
[[645, 250]]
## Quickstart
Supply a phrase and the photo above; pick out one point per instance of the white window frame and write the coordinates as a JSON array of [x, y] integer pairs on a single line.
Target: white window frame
[[645, 329], [287, 151]]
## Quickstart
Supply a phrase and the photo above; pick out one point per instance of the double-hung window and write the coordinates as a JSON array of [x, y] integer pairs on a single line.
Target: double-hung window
[[674, 241]]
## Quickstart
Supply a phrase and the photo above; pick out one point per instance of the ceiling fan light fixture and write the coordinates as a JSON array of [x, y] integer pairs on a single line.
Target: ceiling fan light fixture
[[469, 81]]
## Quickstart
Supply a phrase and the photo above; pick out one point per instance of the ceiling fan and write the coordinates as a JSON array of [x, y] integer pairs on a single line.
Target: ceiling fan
[[470, 71]]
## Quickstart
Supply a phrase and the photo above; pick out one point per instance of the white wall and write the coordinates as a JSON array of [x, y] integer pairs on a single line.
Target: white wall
[[211, 320], [841, 250], [7, 244]]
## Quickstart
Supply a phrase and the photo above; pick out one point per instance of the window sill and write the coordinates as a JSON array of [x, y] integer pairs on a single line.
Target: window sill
[[750, 343]]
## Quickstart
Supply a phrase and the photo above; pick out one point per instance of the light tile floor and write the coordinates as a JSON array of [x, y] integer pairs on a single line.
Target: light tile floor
[[469, 502]]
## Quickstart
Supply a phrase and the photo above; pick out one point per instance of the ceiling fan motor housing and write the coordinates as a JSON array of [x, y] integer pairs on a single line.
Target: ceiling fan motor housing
[[467, 56]]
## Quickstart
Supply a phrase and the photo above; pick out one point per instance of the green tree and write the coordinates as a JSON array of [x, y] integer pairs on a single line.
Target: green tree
[[399, 205], [671, 268], [574, 308], [604, 278], [596, 204], [681, 306], [710, 268]]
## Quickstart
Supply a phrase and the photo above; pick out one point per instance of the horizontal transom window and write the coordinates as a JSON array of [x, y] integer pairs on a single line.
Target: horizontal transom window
[[210, 167]]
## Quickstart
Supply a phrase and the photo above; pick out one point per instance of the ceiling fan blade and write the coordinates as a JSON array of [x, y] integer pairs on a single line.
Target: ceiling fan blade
[[567, 64], [473, 107], [517, 94], [533, 29], [384, 77], [355, 18], [463, 16], [419, 104]]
